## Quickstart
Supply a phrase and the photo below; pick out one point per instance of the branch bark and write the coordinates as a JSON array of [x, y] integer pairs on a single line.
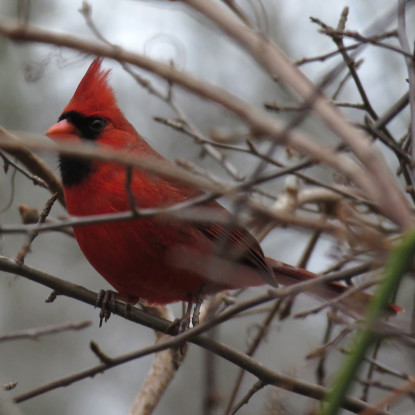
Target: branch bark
[[376, 185], [18, 149], [277, 63], [193, 335]]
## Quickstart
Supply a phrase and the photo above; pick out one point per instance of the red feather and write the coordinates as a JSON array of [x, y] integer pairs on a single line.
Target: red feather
[[94, 95], [153, 259]]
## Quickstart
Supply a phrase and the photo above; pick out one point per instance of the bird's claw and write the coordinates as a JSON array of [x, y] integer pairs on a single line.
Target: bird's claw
[[106, 302], [179, 325]]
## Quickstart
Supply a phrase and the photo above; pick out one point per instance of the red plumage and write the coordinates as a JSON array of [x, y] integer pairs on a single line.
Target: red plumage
[[152, 259]]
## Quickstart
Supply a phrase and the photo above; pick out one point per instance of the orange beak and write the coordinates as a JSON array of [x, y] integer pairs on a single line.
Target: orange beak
[[61, 130]]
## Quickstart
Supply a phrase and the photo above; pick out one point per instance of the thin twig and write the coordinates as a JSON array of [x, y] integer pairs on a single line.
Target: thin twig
[[86, 12], [35, 333], [263, 329], [395, 394], [376, 186], [409, 60], [255, 388], [34, 164], [276, 62], [238, 358], [192, 335], [36, 180], [321, 366], [35, 232]]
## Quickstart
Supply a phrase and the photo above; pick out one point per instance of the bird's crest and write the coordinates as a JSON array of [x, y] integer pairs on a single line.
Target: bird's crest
[[94, 95]]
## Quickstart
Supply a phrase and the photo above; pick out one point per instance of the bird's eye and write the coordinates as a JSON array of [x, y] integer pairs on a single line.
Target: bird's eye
[[97, 124]]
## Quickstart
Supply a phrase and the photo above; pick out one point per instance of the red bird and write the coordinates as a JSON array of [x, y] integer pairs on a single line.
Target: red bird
[[152, 259]]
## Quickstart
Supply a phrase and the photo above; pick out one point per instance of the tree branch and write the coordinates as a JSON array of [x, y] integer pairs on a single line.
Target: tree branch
[[16, 147], [193, 335], [273, 59], [35, 333], [376, 186]]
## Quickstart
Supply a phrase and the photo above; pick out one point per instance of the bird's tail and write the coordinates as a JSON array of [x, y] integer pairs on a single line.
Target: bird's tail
[[357, 301]]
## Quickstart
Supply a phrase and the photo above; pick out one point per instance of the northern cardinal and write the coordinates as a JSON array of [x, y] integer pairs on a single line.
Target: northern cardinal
[[152, 259]]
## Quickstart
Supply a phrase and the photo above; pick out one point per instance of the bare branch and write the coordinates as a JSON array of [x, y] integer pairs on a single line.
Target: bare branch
[[409, 60], [397, 393], [34, 233], [277, 63], [86, 12], [255, 388], [163, 369], [376, 186], [193, 335], [35, 333], [18, 149]]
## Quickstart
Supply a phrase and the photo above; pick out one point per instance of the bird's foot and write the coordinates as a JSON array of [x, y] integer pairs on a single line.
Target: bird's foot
[[196, 311], [180, 325], [106, 302]]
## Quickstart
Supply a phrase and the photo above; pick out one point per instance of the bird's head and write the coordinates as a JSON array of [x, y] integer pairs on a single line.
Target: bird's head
[[92, 113]]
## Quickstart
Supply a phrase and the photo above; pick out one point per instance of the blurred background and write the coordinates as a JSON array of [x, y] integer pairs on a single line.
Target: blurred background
[[36, 82]]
